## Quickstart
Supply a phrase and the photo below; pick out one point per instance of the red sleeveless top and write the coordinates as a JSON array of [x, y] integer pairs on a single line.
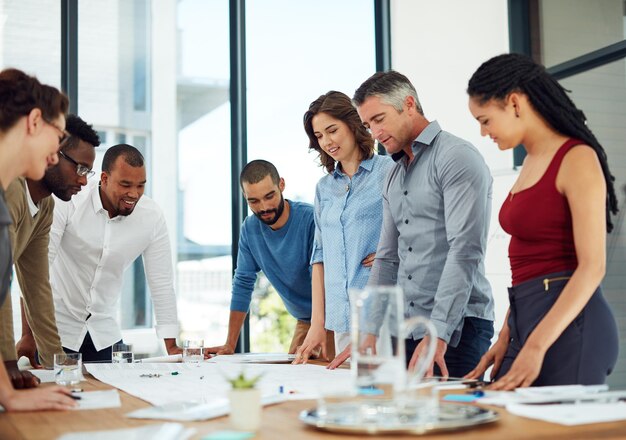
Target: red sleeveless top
[[540, 224]]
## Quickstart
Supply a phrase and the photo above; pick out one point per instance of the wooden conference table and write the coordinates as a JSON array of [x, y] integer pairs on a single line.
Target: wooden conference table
[[279, 422]]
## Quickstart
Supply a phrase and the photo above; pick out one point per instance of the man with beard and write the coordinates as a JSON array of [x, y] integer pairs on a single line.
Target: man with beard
[[94, 238], [278, 240], [31, 207]]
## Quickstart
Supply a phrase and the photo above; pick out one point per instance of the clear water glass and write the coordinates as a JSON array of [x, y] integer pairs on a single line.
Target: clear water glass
[[193, 350], [68, 368], [122, 354]]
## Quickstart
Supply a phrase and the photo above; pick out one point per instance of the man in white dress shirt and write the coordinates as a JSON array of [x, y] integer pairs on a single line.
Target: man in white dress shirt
[[94, 238]]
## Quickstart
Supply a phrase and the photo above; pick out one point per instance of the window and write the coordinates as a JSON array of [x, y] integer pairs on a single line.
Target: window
[[584, 34], [204, 211], [159, 78], [568, 29], [30, 40], [297, 51], [114, 72]]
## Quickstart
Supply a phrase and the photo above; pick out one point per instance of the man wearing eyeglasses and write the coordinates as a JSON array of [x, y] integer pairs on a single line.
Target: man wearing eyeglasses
[[94, 238], [31, 207]]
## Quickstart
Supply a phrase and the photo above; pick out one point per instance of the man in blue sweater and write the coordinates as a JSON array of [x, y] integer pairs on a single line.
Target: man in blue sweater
[[278, 240]]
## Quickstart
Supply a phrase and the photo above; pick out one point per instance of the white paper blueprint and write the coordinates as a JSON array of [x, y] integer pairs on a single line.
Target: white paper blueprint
[[572, 414], [161, 384]]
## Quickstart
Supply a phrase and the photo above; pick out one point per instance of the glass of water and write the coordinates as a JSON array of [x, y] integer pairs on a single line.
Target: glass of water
[[192, 350], [68, 368], [122, 354]]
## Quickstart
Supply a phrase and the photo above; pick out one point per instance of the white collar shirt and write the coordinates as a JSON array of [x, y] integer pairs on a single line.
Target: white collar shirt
[[89, 253]]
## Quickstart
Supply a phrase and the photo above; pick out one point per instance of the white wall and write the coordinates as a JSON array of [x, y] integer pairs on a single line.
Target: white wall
[[439, 45]]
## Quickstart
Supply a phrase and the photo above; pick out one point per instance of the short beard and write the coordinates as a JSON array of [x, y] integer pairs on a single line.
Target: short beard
[[54, 183], [277, 213]]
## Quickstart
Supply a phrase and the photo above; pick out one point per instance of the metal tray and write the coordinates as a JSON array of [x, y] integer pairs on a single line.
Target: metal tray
[[343, 418]]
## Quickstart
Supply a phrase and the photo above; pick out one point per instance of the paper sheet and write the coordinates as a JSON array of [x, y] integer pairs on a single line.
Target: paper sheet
[[98, 399], [45, 376], [187, 412], [164, 431], [254, 358], [161, 384], [572, 414], [162, 359], [542, 394]]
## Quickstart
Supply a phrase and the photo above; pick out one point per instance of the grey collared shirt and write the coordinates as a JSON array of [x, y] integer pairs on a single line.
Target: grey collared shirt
[[436, 216]]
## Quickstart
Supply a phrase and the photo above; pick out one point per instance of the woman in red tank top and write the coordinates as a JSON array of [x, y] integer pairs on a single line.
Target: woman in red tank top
[[559, 328]]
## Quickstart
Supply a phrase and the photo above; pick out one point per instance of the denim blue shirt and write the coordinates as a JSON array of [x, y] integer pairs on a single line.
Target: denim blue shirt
[[436, 215], [348, 219], [283, 256]]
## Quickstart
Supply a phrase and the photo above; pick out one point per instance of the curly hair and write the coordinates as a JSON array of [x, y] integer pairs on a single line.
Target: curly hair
[[339, 106], [501, 75], [21, 93], [79, 130]]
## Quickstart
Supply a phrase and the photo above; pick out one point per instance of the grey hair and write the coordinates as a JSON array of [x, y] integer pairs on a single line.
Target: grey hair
[[391, 87]]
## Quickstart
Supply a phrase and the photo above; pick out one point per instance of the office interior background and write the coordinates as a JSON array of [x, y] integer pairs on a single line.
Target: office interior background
[[203, 86]]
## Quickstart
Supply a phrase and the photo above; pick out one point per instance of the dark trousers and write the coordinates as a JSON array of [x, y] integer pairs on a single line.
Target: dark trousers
[[586, 351], [90, 354], [460, 360]]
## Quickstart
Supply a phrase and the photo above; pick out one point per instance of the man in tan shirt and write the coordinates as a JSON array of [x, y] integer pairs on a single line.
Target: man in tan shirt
[[31, 207]]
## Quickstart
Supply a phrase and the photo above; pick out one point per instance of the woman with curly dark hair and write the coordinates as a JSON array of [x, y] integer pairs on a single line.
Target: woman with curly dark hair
[[559, 329]]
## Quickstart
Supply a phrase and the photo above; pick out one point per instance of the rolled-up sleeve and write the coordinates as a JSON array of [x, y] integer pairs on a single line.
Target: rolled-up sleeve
[[318, 248]]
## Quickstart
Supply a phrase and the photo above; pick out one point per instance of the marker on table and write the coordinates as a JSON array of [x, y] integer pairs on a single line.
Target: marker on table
[[477, 393]]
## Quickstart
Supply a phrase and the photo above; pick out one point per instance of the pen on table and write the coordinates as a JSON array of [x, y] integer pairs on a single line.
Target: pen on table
[[477, 393]]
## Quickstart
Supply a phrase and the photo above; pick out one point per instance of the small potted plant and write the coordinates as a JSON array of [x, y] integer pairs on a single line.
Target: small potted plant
[[245, 402]]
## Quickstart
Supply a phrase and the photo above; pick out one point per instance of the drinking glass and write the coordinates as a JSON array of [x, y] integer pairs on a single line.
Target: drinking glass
[[68, 368], [379, 330], [193, 350], [122, 354]]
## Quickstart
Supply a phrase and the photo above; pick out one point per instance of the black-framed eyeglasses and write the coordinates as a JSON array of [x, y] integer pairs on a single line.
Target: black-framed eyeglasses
[[81, 169], [64, 134]]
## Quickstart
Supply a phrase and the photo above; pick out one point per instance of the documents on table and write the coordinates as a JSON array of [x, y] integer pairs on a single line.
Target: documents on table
[[98, 399], [161, 384], [162, 359], [565, 405], [240, 358], [254, 358], [191, 411], [571, 414], [563, 393], [45, 376], [163, 431]]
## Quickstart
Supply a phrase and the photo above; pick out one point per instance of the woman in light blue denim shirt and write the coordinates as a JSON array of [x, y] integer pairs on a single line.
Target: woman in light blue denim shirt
[[348, 216]]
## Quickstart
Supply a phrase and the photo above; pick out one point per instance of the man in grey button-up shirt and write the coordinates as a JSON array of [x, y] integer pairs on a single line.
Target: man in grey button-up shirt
[[436, 208]]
